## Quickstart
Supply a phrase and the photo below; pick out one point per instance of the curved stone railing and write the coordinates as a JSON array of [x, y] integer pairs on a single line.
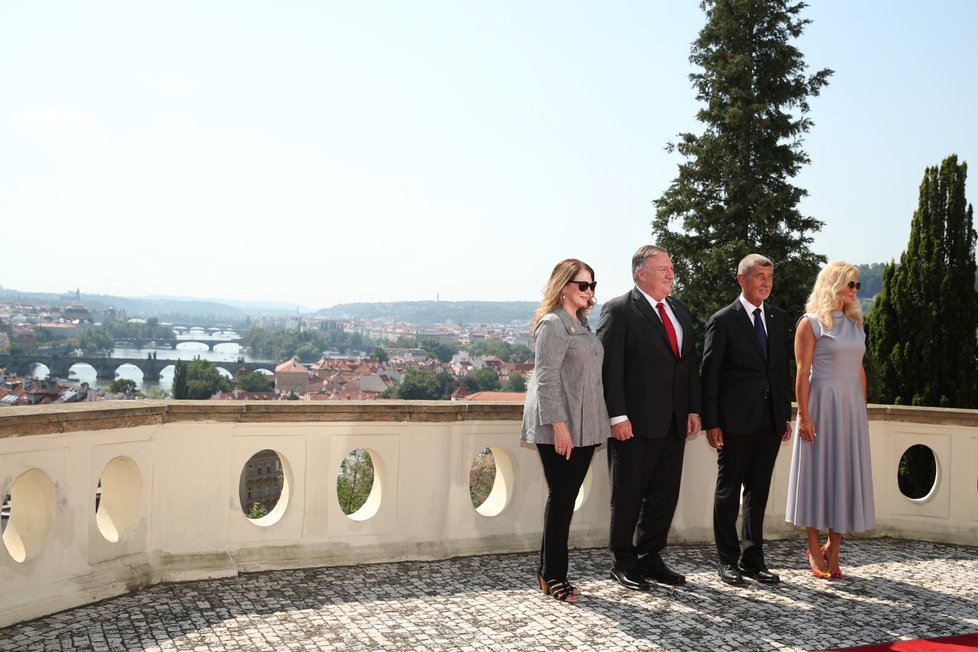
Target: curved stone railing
[[110, 497]]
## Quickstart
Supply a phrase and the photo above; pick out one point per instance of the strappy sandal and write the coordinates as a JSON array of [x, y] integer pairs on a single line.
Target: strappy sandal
[[561, 591], [816, 571], [543, 585], [836, 575]]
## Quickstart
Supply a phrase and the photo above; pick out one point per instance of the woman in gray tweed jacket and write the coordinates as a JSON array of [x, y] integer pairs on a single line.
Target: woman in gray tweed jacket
[[564, 415]]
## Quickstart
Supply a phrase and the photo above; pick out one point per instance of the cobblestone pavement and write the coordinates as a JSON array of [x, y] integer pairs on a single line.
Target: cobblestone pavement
[[893, 590]]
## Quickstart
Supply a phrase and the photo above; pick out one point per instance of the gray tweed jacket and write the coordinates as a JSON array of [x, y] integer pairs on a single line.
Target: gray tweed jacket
[[566, 384]]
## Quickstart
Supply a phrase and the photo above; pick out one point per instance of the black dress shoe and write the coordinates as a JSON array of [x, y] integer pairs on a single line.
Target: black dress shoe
[[662, 574], [761, 574], [731, 574], [629, 579]]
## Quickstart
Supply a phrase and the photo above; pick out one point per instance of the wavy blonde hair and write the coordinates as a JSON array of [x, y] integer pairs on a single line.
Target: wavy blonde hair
[[825, 299], [564, 271]]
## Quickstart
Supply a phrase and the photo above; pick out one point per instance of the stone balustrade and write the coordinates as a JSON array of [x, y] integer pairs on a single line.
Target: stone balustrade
[[111, 497]]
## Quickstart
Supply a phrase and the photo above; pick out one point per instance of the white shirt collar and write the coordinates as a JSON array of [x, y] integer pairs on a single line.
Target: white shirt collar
[[749, 307]]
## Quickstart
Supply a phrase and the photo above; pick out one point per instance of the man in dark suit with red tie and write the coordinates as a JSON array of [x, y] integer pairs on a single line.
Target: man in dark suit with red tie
[[746, 414], [652, 390]]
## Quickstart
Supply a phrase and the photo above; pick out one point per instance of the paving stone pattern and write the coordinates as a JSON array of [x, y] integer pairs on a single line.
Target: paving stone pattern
[[893, 590]]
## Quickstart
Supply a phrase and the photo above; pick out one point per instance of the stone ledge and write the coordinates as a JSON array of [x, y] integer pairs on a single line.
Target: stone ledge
[[105, 415]]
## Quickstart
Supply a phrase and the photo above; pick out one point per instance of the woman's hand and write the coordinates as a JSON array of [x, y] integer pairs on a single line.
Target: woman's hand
[[562, 440], [806, 429]]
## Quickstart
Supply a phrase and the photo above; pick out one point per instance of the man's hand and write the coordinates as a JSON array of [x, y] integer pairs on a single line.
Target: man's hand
[[714, 437], [787, 432], [692, 425], [622, 431]]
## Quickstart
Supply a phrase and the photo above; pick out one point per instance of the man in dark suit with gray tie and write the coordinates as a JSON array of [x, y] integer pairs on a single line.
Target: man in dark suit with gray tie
[[746, 414], [652, 390]]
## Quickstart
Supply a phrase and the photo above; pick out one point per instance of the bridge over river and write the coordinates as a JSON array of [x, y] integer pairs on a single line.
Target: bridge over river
[[106, 368]]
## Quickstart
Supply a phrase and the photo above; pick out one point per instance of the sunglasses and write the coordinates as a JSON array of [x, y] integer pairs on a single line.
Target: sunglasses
[[854, 285], [584, 285]]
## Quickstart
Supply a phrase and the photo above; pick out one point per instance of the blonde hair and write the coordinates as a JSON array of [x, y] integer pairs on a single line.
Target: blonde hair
[[564, 271], [824, 299]]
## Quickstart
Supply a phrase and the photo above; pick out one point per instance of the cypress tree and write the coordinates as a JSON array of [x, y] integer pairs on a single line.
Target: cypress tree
[[733, 194], [180, 381], [922, 329]]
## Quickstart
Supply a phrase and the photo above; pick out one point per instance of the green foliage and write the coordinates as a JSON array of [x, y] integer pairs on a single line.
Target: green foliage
[[149, 331], [95, 340], [308, 352], [482, 475], [180, 380], [354, 481], [123, 386], [448, 383], [438, 351], [503, 350], [198, 379], [733, 194], [871, 277], [420, 385], [516, 382], [379, 354], [256, 381], [486, 379], [923, 323], [469, 384], [257, 510], [307, 344]]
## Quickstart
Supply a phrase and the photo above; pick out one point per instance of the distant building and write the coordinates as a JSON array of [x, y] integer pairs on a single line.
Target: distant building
[[76, 312], [261, 481], [291, 378]]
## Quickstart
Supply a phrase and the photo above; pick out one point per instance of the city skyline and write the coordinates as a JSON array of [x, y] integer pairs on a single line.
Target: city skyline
[[321, 153]]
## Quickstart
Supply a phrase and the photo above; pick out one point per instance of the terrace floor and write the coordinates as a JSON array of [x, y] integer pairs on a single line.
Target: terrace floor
[[894, 589]]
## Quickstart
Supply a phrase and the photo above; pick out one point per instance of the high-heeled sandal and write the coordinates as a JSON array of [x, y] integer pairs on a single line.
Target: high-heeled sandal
[[820, 574], [561, 591], [543, 585], [836, 575]]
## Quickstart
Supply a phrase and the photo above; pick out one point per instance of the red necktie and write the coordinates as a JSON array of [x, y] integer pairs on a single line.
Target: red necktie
[[670, 331]]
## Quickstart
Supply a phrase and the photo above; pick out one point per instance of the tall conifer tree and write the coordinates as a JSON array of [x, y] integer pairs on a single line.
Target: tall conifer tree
[[923, 323], [733, 194]]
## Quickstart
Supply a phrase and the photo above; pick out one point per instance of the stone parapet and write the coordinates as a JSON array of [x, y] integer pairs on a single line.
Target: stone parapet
[[109, 497]]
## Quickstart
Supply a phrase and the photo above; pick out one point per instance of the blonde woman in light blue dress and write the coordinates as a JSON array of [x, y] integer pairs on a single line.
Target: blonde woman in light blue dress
[[830, 484]]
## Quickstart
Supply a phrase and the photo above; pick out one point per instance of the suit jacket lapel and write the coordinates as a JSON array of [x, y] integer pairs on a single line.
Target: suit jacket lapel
[[746, 322], [650, 313]]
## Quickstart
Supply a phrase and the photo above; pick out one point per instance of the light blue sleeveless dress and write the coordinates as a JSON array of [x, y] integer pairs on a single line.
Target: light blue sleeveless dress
[[830, 485]]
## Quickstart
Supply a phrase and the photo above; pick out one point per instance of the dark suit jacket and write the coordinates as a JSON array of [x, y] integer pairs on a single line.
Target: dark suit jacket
[[642, 378], [735, 373]]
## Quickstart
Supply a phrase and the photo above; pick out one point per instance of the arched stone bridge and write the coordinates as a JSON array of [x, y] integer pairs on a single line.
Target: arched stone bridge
[[210, 341], [106, 367]]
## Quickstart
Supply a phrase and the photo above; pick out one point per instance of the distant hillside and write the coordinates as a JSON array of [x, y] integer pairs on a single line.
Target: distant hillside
[[436, 312], [171, 309]]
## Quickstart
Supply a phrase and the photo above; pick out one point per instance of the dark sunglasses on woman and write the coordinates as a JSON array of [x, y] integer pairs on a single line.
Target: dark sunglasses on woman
[[584, 285]]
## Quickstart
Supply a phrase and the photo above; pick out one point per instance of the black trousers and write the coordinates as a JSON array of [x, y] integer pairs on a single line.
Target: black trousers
[[564, 478], [645, 475], [746, 460]]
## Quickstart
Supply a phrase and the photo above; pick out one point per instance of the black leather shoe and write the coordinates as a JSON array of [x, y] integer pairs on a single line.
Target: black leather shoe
[[629, 579], [761, 574], [731, 574], [658, 571]]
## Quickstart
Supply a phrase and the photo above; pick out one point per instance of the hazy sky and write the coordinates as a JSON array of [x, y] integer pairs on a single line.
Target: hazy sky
[[322, 152]]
